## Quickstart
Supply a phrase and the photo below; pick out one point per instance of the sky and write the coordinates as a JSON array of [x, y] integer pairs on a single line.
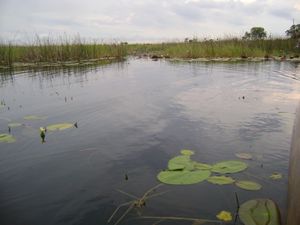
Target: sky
[[143, 20]]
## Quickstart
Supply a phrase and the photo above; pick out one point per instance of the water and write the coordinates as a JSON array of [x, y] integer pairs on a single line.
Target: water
[[132, 118]]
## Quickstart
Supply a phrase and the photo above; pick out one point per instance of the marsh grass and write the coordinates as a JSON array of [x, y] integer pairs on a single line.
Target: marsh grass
[[219, 48], [62, 50], [74, 51]]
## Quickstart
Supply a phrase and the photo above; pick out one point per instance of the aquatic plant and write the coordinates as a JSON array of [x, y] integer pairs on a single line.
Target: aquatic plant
[[59, 126], [248, 185], [34, 117], [7, 138], [259, 212], [276, 176], [182, 170], [220, 180], [136, 203], [13, 125], [58, 50]]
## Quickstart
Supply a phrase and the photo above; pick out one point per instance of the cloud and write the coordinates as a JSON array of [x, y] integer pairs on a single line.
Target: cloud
[[140, 20]]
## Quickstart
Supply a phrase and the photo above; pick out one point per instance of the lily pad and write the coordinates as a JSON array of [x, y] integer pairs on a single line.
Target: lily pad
[[60, 126], [225, 216], [202, 166], [183, 177], [259, 212], [34, 117], [7, 138], [248, 185], [187, 152], [179, 162], [231, 166], [12, 125], [276, 176], [244, 156], [220, 180]]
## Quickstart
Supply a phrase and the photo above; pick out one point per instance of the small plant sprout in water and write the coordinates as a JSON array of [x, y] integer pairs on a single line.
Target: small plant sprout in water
[[136, 203], [43, 134]]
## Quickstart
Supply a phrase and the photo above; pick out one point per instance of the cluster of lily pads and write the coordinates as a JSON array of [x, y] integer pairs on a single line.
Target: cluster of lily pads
[[182, 170], [8, 138]]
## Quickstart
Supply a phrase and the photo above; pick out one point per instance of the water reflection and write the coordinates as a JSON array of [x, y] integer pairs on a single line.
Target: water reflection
[[132, 118]]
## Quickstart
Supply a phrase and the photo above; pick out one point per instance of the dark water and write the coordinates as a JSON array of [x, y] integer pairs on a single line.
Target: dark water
[[132, 118]]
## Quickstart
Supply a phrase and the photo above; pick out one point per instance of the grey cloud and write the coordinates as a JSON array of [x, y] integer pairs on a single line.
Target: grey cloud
[[145, 19]]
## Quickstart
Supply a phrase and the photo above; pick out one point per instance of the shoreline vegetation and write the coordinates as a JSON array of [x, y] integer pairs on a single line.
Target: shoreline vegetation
[[64, 53]]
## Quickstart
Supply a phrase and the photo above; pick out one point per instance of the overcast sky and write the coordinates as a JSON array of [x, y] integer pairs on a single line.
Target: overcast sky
[[144, 20]]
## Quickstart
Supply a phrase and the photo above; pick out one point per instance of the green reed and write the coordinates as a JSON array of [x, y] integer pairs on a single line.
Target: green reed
[[219, 48], [56, 51]]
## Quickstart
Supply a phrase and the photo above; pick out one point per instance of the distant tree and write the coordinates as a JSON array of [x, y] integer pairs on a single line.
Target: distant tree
[[294, 31], [256, 33]]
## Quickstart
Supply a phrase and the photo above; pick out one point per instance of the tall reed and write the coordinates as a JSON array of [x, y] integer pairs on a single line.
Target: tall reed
[[57, 51]]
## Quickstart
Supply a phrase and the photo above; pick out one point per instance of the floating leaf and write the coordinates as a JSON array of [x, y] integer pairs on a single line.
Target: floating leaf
[[183, 177], [12, 125], [7, 138], [187, 152], [220, 180], [231, 166], [276, 176], [259, 212], [179, 162], [224, 216], [33, 117], [59, 126], [202, 166], [243, 156], [248, 185]]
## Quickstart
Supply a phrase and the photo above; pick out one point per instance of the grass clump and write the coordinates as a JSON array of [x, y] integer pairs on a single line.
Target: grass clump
[[226, 48], [61, 50]]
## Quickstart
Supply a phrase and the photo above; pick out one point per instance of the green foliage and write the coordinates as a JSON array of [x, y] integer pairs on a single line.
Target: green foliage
[[294, 31], [183, 177], [220, 180], [226, 48], [256, 33], [179, 162], [259, 212], [231, 166], [7, 138], [187, 152], [59, 126], [248, 185], [59, 50], [276, 176], [34, 117]]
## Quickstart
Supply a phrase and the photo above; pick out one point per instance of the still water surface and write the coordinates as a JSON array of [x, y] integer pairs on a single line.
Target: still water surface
[[132, 118]]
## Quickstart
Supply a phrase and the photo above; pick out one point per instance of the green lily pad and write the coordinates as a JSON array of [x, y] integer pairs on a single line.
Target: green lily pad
[[202, 166], [12, 125], [183, 177], [220, 180], [276, 176], [179, 162], [187, 152], [34, 117], [59, 126], [7, 138], [231, 166], [259, 212], [244, 156], [248, 185]]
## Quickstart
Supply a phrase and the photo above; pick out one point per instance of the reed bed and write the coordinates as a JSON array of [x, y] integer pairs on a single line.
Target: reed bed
[[64, 50], [58, 51], [229, 48]]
